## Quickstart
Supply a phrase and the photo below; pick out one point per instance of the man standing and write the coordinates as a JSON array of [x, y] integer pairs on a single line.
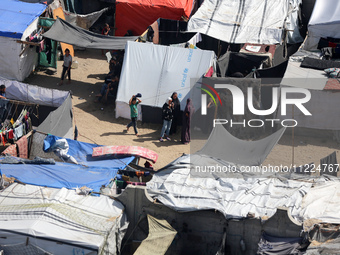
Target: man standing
[[66, 67]]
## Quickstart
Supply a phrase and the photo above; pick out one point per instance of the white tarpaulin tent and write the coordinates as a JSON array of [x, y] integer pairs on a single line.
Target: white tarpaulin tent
[[247, 21], [157, 71], [34, 94], [18, 20], [35, 220], [324, 22]]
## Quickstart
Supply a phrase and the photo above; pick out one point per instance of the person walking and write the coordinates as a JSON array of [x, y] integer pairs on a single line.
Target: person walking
[[66, 67], [134, 101], [188, 112], [167, 116]]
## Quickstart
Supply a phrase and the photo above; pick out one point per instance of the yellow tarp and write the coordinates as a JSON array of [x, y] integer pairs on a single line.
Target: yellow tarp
[[60, 13]]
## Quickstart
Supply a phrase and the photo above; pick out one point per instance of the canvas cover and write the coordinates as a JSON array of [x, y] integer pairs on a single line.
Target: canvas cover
[[90, 172], [237, 151], [34, 94], [246, 21], [324, 22], [63, 31], [156, 72], [137, 15], [161, 234], [22, 13], [178, 186], [60, 121], [58, 221], [84, 21]]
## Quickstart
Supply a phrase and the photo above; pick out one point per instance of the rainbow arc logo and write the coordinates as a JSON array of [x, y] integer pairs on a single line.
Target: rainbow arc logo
[[204, 98]]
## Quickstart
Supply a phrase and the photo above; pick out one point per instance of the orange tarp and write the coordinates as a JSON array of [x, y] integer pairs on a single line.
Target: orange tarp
[[60, 13], [137, 15]]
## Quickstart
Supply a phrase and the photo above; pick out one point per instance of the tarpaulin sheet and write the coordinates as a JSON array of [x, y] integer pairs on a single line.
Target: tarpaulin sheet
[[82, 152], [243, 21], [237, 151], [172, 69], [59, 221], [137, 15], [63, 31], [59, 122], [16, 16], [324, 22], [161, 234]]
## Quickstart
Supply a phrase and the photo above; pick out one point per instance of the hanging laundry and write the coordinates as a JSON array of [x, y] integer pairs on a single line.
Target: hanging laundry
[[23, 147], [18, 132]]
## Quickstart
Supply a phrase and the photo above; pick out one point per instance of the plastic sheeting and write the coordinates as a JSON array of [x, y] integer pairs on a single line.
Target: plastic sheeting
[[324, 22], [83, 21], [22, 13], [245, 21], [172, 69], [137, 15], [177, 188], [249, 153], [60, 121], [160, 237], [60, 221], [63, 31], [34, 94]]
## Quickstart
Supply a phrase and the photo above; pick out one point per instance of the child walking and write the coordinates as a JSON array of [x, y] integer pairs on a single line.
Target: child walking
[[134, 101]]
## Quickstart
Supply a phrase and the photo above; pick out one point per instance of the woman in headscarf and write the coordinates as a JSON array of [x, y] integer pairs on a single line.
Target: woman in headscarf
[[176, 113], [167, 116], [188, 111]]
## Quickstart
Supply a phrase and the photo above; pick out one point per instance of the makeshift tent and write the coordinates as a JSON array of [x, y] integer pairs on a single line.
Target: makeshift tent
[[160, 237], [136, 15], [18, 60], [63, 31], [324, 22], [249, 21], [40, 220], [84, 21], [250, 153], [89, 172], [55, 107], [172, 69], [182, 187]]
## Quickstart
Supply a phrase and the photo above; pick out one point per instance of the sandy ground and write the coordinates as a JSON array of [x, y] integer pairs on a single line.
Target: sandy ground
[[97, 123]]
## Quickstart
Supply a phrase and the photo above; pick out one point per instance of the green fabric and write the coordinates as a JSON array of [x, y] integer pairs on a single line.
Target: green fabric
[[134, 110], [47, 22]]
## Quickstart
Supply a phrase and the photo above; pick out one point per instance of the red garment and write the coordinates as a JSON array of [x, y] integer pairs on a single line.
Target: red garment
[[4, 140], [10, 134], [22, 147]]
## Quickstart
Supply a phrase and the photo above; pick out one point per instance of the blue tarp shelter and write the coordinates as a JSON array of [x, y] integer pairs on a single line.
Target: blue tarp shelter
[[17, 21], [16, 16], [90, 172]]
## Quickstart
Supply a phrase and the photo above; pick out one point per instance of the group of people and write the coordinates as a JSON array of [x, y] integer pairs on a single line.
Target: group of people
[[171, 114], [110, 86]]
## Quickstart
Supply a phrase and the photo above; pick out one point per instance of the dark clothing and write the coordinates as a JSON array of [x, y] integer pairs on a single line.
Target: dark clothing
[[176, 114], [188, 111], [134, 124], [167, 112], [68, 73]]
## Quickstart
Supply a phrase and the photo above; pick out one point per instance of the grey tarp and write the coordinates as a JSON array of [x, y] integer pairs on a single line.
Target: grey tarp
[[221, 144], [59, 122], [159, 239], [63, 31]]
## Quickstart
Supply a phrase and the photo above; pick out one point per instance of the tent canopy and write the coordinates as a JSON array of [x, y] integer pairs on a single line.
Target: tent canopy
[[90, 172], [63, 31], [250, 153], [137, 15], [59, 221], [324, 22], [250, 21], [16, 16], [172, 69]]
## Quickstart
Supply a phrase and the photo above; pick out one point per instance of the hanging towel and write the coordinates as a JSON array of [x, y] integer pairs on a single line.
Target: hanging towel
[[23, 147]]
